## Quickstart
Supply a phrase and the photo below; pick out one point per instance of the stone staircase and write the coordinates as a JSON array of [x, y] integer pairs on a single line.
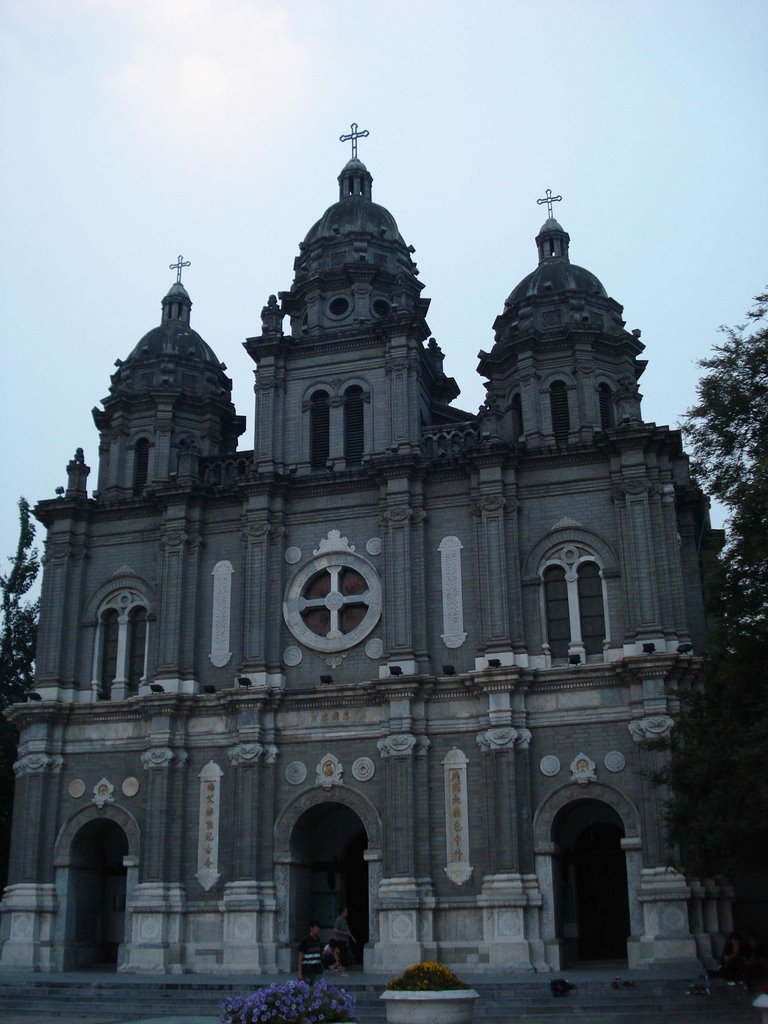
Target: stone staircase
[[137, 998]]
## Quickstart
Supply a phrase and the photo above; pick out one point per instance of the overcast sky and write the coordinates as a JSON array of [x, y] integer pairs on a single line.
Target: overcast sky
[[134, 130]]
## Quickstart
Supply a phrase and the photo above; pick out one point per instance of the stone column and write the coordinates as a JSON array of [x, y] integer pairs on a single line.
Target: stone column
[[173, 543], [398, 593], [492, 572], [256, 535], [637, 541]]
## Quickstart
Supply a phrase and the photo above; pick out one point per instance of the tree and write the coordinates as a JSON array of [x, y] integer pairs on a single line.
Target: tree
[[718, 813], [18, 635]]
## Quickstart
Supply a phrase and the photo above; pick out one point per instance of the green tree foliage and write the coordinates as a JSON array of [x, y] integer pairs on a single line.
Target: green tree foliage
[[18, 634], [719, 766]]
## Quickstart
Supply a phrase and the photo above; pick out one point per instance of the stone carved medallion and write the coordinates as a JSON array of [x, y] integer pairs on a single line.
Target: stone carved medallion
[[374, 648], [583, 770], [615, 761], [653, 727], [130, 786], [292, 656], [102, 793], [363, 769], [329, 772], [295, 773], [292, 555], [549, 765], [76, 788], [373, 546]]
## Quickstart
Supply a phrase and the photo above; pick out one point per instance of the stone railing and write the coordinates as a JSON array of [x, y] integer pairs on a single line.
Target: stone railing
[[450, 439]]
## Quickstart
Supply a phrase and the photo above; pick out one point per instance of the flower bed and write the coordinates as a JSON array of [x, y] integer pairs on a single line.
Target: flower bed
[[291, 1002], [427, 992]]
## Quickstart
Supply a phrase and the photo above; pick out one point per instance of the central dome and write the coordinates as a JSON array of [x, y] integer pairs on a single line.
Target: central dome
[[555, 274]]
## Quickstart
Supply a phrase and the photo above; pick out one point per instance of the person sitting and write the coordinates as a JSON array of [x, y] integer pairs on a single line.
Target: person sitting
[[332, 958], [732, 961]]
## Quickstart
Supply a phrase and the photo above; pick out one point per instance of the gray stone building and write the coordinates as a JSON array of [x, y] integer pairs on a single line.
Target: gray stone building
[[399, 656]]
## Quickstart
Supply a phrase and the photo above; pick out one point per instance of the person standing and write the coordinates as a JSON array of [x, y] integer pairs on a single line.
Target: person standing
[[311, 954], [343, 936]]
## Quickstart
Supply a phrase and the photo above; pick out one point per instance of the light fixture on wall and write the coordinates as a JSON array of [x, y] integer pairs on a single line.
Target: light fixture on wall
[[209, 688], [649, 648], [684, 648], [244, 681], [156, 688], [326, 680], [449, 670], [395, 670], [494, 663], [574, 659]]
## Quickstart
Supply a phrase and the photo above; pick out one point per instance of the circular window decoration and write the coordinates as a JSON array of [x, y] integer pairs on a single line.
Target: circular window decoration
[[333, 602], [339, 306], [381, 307]]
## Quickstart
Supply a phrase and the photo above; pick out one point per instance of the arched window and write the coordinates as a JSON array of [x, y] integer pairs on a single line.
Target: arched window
[[109, 640], [574, 610], [517, 417], [605, 401], [354, 434], [319, 429], [140, 465], [558, 618], [558, 404], [137, 644], [591, 613]]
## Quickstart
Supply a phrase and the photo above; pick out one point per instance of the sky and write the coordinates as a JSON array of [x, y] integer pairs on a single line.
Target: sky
[[134, 130]]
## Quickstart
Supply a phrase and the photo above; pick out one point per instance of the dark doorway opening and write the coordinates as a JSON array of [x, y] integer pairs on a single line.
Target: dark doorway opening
[[97, 891], [329, 872], [592, 902]]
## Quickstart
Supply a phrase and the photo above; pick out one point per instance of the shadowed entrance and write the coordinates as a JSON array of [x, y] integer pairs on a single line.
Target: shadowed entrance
[[96, 910]]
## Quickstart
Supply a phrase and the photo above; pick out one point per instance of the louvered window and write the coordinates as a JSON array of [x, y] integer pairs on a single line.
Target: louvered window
[[517, 417], [354, 436], [140, 465], [109, 633], [605, 398], [558, 401], [556, 601], [590, 588], [137, 641], [319, 429]]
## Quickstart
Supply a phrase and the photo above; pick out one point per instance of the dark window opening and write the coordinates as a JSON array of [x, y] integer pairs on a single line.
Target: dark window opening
[[140, 465], [354, 433], [137, 640], [558, 400], [605, 398], [591, 613], [558, 619], [339, 306], [109, 632], [319, 429], [517, 417]]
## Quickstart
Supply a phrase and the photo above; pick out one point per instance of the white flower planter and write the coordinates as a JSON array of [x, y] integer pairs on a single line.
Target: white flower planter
[[451, 1006]]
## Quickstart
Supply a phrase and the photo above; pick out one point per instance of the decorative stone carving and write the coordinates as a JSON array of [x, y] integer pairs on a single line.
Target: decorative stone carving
[[450, 549], [398, 514], [523, 738], [295, 773], [653, 727], [566, 523], [374, 648], [458, 869], [549, 765], [363, 769], [208, 831], [396, 745], [76, 788], [292, 555], [271, 753], [103, 793], [583, 770], [333, 542], [156, 757], [496, 739], [373, 546], [220, 614], [489, 503], [130, 786], [30, 764], [292, 656], [329, 772], [422, 746], [615, 761], [245, 753]]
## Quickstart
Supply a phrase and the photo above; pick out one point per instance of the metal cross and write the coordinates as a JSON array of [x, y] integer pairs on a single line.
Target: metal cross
[[549, 199], [177, 266], [353, 136]]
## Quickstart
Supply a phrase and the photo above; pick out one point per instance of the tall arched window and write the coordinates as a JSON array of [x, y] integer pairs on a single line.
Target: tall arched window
[[591, 613], [558, 618], [109, 641], [140, 465], [558, 404], [517, 417], [354, 434], [605, 401], [319, 429], [137, 644]]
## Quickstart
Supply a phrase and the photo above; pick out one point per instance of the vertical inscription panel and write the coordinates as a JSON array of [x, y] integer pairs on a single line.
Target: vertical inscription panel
[[453, 604], [458, 868], [208, 830], [220, 614]]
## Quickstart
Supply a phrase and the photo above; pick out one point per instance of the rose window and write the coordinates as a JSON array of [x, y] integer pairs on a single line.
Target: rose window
[[333, 602]]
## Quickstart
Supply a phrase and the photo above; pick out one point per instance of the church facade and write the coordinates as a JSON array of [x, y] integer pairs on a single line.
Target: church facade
[[397, 657]]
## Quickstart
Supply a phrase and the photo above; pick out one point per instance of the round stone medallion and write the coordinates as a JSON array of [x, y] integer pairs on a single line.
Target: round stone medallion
[[549, 765], [374, 648], [373, 546], [76, 788], [130, 786], [295, 773], [363, 769], [614, 761], [292, 555], [292, 656]]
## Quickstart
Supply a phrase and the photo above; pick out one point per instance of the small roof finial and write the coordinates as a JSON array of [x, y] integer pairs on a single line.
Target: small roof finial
[[353, 136], [548, 199], [178, 265]]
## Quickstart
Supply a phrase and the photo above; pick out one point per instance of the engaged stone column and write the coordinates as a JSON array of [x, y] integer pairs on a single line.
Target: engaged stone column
[[157, 762], [397, 753], [33, 822], [256, 538], [245, 763], [492, 569], [399, 588], [498, 758], [640, 583], [652, 727]]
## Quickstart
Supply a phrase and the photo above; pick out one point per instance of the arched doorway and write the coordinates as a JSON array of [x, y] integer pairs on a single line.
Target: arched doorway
[[590, 881], [329, 871], [96, 894]]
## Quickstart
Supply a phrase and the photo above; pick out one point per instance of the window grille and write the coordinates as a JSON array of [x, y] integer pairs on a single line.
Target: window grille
[[558, 620], [517, 417], [591, 613], [605, 398], [137, 640], [558, 400], [140, 465], [319, 428], [109, 633], [354, 435]]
